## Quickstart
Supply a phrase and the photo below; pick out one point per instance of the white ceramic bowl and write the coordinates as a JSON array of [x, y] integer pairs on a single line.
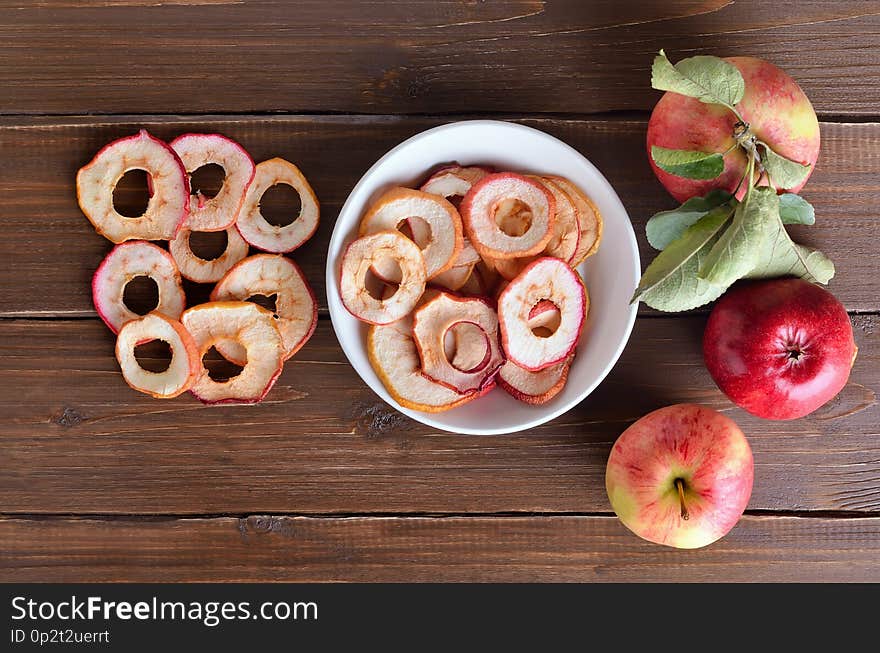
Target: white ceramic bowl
[[610, 275]]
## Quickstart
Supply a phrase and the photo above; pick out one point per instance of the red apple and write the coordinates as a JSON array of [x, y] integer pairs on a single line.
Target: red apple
[[775, 107], [680, 476], [779, 348]]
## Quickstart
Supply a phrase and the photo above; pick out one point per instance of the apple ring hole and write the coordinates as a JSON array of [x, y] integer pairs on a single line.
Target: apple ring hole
[[132, 193], [269, 302], [544, 318], [141, 295], [513, 216], [154, 355], [220, 368], [468, 359], [207, 180], [280, 205], [379, 288], [208, 245], [417, 230]]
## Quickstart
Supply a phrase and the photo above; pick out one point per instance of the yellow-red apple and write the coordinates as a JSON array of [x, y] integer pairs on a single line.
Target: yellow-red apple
[[775, 108], [680, 476]]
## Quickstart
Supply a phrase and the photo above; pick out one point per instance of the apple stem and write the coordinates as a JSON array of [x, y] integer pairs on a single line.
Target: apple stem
[[679, 484]]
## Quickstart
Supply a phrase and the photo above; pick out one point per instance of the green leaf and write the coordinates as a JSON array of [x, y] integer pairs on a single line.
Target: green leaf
[[687, 163], [671, 282], [736, 252], [778, 256], [794, 209], [709, 79], [783, 172], [666, 226]]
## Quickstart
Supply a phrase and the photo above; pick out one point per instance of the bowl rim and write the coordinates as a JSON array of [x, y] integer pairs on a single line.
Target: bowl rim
[[339, 234]]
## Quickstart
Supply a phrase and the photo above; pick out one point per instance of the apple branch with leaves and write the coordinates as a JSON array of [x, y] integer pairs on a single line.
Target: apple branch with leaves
[[709, 242]]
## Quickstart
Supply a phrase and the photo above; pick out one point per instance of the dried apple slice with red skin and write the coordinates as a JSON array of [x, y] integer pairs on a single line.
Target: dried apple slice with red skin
[[360, 256], [398, 205], [534, 388], [184, 368], [221, 211], [589, 220], [166, 179], [434, 319], [419, 232], [271, 238], [537, 387], [454, 181], [296, 310], [566, 233], [480, 205], [545, 279], [136, 258], [251, 326], [514, 221], [395, 359], [201, 270]]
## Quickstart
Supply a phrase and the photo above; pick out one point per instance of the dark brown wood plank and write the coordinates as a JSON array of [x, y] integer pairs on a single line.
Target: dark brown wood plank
[[201, 56], [487, 549], [50, 251], [76, 439]]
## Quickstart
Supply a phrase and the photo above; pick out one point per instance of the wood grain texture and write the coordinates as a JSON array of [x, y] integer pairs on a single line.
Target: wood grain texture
[[76, 439], [43, 223], [80, 56], [498, 549]]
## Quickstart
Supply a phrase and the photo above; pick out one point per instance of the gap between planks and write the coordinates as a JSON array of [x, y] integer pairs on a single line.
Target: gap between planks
[[509, 514], [8, 119]]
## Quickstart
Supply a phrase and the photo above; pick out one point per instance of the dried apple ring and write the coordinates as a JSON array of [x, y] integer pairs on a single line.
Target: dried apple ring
[[534, 387], [454, 181], [480, 207], [452, 279], [251, 326], [566, 233], [589, 220], [296, 309], [434, 319], [201, 270], [357, 260], [418, 231], [221, 211], [545, 279], [398, 205], [125, 262], [271, 238], [184, 368], [167, 180], [394, 357]]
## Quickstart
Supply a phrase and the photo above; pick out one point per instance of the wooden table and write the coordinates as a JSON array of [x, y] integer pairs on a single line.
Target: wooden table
[[323, 481]]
